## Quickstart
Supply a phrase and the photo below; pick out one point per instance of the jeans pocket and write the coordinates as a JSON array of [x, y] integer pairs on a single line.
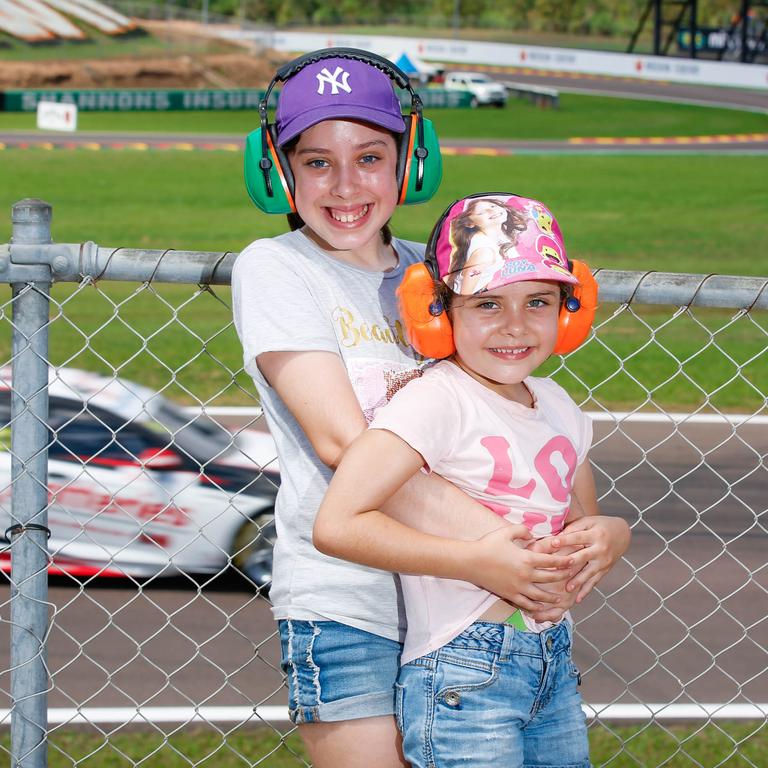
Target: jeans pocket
[[455, 678]]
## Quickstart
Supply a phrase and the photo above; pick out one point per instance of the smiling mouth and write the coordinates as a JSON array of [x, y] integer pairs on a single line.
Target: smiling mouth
[[348, 217], [513, 351]]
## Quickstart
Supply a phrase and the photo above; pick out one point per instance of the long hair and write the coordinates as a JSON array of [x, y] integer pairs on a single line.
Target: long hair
[[463, 229]]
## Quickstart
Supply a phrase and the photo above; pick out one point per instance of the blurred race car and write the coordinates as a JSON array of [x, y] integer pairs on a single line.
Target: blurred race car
[[139, 487]]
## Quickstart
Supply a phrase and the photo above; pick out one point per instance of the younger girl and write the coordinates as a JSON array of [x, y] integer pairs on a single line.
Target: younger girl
[[483, 683]]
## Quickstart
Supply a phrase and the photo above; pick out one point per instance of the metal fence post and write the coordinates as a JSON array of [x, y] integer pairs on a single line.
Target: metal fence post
[[28, 534]]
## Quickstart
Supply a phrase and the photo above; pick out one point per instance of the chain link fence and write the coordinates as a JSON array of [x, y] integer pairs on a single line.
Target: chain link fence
[[138, 482]]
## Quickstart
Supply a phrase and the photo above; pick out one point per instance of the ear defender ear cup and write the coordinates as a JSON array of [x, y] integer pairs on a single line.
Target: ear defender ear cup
[[275, 167], [578, 312], [427, 326], [419, 164]]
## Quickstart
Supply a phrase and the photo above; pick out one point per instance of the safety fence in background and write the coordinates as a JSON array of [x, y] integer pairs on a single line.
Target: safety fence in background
[[138, 481]]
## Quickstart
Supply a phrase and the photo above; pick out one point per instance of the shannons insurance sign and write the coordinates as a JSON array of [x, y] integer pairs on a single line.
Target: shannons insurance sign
[[163, 100], [135, 100]]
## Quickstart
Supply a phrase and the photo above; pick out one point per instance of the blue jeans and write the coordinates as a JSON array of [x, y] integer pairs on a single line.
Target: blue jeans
[[336, 672], [494, 696]]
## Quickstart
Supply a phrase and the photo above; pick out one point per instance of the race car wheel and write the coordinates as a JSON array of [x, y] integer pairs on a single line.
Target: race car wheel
[[474, 103], [251, 554]]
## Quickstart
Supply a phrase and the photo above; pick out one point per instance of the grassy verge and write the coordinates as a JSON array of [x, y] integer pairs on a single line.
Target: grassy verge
[[578, 115], [677, 214], [649, 746], [101, 46]]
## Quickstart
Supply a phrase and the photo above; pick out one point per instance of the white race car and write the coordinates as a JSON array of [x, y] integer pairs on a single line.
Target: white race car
[[139, 487]]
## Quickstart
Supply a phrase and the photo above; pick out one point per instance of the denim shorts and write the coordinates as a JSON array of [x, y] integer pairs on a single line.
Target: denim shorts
[[336, 672], [494, 696]]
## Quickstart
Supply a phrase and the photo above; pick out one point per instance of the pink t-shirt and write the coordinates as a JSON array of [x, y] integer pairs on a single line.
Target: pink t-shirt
[[517, 461]]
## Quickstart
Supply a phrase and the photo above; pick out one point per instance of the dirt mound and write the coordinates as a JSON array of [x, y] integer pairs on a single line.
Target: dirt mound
[[237, 69]]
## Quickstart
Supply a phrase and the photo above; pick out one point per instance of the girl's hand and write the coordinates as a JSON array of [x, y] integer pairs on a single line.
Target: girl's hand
[[501, 563], [600, 541], [564, 599]]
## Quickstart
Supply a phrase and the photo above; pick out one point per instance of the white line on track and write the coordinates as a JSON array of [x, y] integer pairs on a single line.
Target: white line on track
[[274, 714], [737, 419]]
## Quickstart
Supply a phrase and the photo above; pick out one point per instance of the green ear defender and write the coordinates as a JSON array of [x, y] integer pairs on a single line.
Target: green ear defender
[[268, 176], [420, 164], [269, 185]]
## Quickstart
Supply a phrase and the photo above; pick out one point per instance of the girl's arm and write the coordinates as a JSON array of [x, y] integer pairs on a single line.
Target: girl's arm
[[603, 539], [351, 525], [453, 530]]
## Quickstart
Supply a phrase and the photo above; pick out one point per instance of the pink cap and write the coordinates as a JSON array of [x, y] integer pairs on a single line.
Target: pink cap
[[489, 240]]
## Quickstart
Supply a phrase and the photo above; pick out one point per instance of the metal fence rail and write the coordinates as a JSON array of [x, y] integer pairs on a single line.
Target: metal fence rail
[[167, 486]]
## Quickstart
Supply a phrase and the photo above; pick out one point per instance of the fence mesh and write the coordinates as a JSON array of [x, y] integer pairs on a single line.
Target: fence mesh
[[161, 485]]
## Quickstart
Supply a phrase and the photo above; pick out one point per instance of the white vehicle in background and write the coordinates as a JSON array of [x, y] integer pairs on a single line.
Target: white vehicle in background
[[138, 487], [484, 89]]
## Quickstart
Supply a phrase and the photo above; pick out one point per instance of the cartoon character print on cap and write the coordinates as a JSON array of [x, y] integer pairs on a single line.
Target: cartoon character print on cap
[[487, 242]]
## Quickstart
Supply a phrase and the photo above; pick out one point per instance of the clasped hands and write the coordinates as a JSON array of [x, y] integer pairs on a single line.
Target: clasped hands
[[549, 575]]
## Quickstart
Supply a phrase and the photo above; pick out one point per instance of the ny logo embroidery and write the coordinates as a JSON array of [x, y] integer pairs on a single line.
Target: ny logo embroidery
[[324, 76]]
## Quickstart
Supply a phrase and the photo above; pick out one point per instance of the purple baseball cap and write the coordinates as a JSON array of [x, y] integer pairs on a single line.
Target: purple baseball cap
[[489, 240], [336, 88]]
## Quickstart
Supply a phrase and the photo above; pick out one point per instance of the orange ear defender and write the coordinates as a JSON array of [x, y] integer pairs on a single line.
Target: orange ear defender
[[428, 327], [578, 311]]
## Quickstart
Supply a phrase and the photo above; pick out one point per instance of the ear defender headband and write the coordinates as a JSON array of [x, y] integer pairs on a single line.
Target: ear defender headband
[[268, 176], [426, 321]]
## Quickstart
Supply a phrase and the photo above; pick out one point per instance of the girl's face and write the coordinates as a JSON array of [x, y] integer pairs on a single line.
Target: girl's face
[[503, 335], [345, 185], [485, 214]]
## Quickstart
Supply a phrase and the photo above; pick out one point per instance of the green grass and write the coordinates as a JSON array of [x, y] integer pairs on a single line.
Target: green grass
[[101, 46], [701, 214], [736, 745], [683, 214], [578, 116]]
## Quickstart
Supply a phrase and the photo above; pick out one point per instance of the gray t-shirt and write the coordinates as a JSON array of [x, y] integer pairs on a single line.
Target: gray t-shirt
[[290, 295]]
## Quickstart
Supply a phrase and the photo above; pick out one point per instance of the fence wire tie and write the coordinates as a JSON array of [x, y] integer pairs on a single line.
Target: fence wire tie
[[157, 266], [696, 292], [214, 268], [19, 528], [748, 309], [205, 287], [637, 286], [106, 266]]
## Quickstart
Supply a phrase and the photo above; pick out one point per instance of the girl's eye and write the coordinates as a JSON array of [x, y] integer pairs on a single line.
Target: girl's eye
[[317, 163], [368, 159], [487, 305], [537, 303]]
